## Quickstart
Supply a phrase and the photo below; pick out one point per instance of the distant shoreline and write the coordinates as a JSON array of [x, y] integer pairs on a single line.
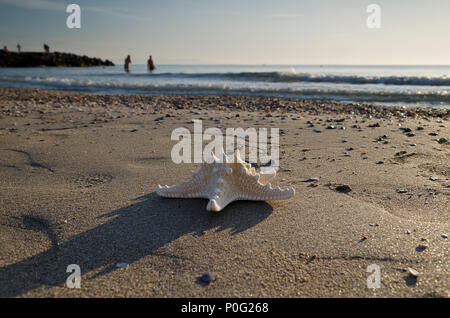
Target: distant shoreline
[[59, 59]]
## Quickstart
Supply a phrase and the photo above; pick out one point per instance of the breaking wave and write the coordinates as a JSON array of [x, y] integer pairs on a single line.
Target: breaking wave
[[349, 93], [291, 77]]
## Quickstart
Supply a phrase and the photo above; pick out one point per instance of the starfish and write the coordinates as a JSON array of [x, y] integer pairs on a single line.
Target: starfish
[[224, 181]]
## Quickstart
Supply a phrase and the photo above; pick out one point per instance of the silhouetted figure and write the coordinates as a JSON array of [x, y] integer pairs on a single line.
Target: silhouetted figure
[[18, 47], [127, 63], [46, 48], [5, 48], [151, 64]]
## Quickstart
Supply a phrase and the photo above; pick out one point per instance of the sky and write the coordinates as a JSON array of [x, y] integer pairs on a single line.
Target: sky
[[235, 31]]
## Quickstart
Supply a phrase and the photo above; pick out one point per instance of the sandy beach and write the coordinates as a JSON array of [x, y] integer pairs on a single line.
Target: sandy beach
[[78, 174]]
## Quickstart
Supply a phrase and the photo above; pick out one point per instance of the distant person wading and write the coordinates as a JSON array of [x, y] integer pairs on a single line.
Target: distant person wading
[[151, 64], [127, 63]]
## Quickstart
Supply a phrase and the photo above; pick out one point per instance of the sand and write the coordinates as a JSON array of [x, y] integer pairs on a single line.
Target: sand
[[78, 174]]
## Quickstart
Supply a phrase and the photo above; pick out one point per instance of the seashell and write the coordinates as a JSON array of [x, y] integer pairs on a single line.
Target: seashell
[[227, 180]]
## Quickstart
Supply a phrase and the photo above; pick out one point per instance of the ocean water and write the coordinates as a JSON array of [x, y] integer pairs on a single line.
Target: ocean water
[[424, 86]]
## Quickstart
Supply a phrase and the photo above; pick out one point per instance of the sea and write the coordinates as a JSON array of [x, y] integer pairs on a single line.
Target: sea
[[420, 86]]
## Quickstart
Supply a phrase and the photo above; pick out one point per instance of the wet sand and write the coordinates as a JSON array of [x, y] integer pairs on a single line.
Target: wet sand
[[78, 174]]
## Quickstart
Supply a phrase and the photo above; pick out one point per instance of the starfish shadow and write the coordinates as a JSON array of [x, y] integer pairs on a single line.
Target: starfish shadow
[[128, 234]]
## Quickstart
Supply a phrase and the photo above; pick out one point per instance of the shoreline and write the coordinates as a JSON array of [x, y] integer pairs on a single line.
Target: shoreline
[[231, 102], [78, 174]]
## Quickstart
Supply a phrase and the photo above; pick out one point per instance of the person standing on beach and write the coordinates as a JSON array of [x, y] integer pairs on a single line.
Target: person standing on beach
[[127, 63], [151, 64], [18, 47]]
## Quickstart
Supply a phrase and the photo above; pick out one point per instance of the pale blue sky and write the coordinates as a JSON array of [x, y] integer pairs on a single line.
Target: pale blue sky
[[235, 31]]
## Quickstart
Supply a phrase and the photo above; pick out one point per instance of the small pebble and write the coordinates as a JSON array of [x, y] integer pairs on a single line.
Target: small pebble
[[122, 265], [421, 248], [413, 272], [207, 278], [343, 188]]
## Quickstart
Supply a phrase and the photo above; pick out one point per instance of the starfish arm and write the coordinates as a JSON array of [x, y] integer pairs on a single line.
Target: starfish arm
[[196, 187], [259, 192], [266, 177], [219, 202], [188, 189]]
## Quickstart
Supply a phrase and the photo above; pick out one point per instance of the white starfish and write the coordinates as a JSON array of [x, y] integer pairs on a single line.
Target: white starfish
[[225, 181]]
